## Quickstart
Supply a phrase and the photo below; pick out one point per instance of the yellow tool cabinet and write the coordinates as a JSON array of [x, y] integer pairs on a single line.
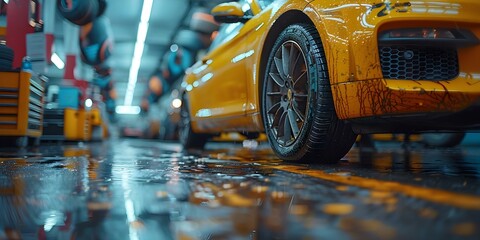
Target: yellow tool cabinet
[[77, 125], [21, 106]]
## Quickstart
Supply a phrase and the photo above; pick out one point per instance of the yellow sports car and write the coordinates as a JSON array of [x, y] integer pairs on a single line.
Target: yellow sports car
[[313, 74]]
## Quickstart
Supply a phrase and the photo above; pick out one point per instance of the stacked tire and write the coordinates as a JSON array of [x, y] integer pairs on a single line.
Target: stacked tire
[[79, 12], [191, 40], [6, 58], [203, 22], [199, 35], [96, 41]]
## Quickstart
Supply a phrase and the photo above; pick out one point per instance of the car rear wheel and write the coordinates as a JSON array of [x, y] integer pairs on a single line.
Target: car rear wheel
[[188, 138], [297, 104]]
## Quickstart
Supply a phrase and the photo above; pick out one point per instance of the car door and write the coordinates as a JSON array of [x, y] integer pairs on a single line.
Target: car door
[[219, 89]]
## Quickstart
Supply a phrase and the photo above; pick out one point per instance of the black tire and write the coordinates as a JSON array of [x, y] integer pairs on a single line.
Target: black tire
[[297, 104], [187, 137], [5, 65], [81, 13], [102, 6], [442, 139], [6, 53]]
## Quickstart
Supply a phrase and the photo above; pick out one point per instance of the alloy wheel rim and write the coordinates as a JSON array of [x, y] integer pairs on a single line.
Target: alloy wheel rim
[[287, 95]]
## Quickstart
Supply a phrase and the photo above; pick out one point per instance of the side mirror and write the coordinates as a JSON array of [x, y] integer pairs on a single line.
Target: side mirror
[[230, 12]]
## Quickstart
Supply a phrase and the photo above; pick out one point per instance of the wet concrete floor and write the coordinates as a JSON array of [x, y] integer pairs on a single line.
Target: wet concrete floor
[[138, 189]]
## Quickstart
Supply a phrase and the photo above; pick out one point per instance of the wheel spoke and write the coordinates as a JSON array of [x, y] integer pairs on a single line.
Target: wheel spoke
[[277, 79], [298, 112], [302, 76], [300, 95], [277, 118], [274, 108], [279, 65], [281, 125], [274, 94], [294, 52], [285, 60], [286, 98], [287, 128], [293, 122]]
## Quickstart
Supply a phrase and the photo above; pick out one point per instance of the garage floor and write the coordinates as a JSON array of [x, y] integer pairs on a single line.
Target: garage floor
[[138, 189]]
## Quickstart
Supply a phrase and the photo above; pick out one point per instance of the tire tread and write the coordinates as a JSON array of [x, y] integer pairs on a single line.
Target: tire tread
[[329, 138]]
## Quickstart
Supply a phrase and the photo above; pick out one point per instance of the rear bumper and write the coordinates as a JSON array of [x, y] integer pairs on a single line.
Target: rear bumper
[[386, 98], [466, 119]]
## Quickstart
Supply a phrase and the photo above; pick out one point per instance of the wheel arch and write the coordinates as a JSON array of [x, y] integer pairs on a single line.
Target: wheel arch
[[337, 69], [286, 19]]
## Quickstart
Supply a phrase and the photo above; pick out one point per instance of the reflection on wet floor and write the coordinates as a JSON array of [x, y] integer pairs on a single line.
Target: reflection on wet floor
[[152, 190], [451, 162]]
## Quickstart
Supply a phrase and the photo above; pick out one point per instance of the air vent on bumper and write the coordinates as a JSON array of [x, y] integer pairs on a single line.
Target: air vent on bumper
[[422, 53]]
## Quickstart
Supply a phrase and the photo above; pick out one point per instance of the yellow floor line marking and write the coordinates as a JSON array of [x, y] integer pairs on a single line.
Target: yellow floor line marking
[[433, 195]]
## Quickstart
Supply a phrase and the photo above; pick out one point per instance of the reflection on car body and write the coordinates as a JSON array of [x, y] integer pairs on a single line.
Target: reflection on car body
[[314, 74]]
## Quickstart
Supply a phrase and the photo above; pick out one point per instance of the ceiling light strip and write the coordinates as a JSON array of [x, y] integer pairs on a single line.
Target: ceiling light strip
[[137, 55], [133, 110], [57, 61]]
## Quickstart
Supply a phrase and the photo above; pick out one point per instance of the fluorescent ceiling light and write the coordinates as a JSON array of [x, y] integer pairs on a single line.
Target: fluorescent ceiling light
[[132, 110], [146, 10], [57, 61], [142, 31], [137, 55]]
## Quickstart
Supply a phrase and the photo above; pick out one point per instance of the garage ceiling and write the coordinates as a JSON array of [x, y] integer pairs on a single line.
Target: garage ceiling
[[167, 18]]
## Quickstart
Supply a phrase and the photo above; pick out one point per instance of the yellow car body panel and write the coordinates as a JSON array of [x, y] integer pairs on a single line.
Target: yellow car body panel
[[224, 89], [213, 82], [349, 32]]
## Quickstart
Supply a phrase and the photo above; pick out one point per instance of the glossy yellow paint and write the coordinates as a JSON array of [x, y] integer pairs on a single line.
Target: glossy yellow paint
[[349, 32], [77, 125], [95, 117], [211, 74], [224, 87], [84, 125], [228, 9], [70, 124], [96, 121]]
